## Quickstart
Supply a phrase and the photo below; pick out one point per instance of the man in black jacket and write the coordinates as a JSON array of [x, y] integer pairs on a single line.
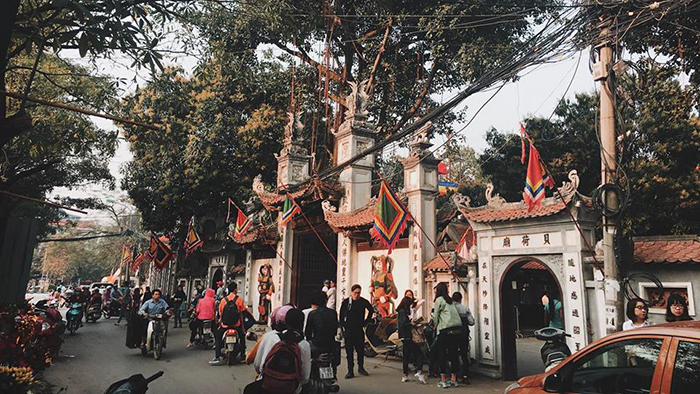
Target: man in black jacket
[[321, 328], [355, 313]]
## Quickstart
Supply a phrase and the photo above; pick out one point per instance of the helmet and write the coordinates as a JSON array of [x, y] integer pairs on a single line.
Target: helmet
[[69, 292], [279, 314]]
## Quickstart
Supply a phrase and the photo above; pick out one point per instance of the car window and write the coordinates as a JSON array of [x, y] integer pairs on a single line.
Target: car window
[[624, 367], [685, 371]]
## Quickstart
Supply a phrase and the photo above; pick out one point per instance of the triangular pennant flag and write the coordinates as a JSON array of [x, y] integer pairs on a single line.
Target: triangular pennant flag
[[536, 181], [192, 240], [126, 255], [243, 222], [152, 248], [289, 210], [163, 255], [390, 218], [137, 261]]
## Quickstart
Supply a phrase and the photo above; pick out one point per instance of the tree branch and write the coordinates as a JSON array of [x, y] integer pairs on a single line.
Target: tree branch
[[320, 67], [35, 170], [416, 105], [370, 85]]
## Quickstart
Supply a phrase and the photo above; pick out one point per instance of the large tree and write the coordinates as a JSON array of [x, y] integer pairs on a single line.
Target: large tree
[[659, 141], [61, 149], [222, 127], [410, 51]]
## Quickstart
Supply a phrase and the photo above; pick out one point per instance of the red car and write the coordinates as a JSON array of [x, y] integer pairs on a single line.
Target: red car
[[663, 359]]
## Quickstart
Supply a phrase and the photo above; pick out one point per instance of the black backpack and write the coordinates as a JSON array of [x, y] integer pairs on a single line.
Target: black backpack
[[230, 315]]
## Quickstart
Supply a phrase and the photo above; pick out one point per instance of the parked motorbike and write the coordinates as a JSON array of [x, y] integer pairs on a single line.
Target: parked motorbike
[[205, 336], [111, 309], [232, 346], [382, 337], [52, 326], [74, 317], [554, 350], [135, 384], [156, 336], [322, 379], [94, 312]]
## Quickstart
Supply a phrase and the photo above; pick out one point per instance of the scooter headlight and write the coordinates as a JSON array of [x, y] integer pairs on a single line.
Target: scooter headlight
[[45, 326], [511, 387]]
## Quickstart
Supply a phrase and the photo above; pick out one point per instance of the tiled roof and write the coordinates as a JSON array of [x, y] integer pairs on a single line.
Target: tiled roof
[[513, 211], [438, 263], [256, 233], [314, 190], [533, 265], [355, 220], [667, 249]]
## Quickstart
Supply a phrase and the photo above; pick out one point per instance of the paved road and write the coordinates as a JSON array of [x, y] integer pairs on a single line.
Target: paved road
[[96, 357]]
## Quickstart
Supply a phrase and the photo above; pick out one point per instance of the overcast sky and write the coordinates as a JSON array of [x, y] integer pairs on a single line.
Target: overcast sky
[[536, 93]]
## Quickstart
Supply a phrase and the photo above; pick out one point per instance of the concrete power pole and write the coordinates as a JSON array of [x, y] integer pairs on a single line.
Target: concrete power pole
[[608, 156]]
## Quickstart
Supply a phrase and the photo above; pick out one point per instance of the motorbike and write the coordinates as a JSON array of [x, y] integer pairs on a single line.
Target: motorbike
[[554, 350], [232, 344], [205, 337], [135, 384], [382, 337], [322, 379], [52, 326], [156, 336], [111, 309], [74, 317], [94, 312]]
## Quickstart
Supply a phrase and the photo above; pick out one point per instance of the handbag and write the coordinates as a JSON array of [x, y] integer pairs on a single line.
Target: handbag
[[418, 335], [456, 330]]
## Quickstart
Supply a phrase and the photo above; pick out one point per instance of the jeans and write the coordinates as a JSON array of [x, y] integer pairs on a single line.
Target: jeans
[[178, 317], [355, 343], [412, 352], [447, 346], [123, 313], [464, 354]]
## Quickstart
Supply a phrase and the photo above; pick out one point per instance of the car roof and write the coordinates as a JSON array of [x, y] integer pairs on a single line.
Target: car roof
[[689, 329]]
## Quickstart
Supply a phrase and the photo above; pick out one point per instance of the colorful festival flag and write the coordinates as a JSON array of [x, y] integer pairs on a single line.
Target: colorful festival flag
[[446, 186], [243, 222], [289, 210], [163, 255], [390, 218], [126, 255], [152, 248], [137, 261], [192, 240], [536, 181]]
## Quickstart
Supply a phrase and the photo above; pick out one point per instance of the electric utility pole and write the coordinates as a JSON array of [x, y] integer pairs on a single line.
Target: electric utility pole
[[608, 155]]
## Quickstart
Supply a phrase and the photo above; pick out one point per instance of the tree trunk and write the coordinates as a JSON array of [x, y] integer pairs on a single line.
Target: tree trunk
[[8, 13]]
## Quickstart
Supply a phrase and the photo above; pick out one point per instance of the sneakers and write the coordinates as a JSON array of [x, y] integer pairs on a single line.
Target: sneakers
[[190, 344], [421, 378], [215, 361], [452, 384], [405, 379], [443, 385], [363, 372]]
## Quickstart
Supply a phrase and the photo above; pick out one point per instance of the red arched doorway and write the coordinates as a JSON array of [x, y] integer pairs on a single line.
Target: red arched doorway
[[522, 286]]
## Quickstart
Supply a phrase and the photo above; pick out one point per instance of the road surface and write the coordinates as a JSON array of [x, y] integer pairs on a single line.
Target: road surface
[[95, 357]]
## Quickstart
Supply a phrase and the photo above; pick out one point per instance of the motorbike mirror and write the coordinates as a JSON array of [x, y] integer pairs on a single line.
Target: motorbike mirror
[[553, 383]]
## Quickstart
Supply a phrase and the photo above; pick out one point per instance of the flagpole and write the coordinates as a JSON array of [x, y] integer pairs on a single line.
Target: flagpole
[[454, 274], [309, 222]]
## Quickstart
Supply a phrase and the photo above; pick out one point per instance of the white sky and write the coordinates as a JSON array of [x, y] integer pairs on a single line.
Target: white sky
[[537, 92]]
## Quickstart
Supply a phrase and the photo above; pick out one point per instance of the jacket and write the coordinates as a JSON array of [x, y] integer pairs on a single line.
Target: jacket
[[321, 327], [445, 315], [222, 305], [467, 319], [404, 325], [352, 315], [205, 306]]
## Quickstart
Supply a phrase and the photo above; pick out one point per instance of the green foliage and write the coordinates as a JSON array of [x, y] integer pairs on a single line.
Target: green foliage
[[222, 127], [62, 148], [659, 155], [431, 47]]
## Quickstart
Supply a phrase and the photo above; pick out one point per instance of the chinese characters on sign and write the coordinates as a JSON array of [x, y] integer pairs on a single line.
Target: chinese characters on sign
[[506, 242], [526, 240]]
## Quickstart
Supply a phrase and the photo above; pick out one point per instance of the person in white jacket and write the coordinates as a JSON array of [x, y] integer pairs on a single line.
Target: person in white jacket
[[467, 320], [294, 320]]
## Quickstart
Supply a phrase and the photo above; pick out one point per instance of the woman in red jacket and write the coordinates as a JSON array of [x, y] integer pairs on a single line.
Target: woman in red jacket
[[204, 311]]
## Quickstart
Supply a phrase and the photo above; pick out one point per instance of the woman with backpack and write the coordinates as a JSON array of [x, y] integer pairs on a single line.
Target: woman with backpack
[[283, 361], [448, 326], [467, 320]]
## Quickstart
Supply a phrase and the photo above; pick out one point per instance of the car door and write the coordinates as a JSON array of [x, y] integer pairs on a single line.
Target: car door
[[629, 365], [682, 372]]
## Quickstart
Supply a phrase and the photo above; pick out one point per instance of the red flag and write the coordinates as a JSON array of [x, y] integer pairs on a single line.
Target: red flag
[[192, 239], [536, 181], [152, 248], [137, 261], [243, 222]]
